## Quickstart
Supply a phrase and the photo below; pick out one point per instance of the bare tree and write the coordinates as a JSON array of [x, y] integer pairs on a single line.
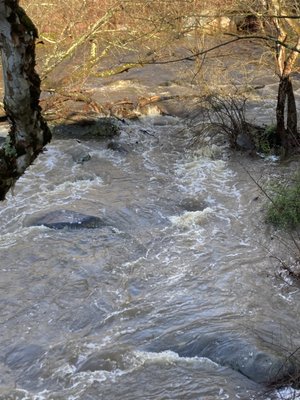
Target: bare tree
[[276, 22], [28, 132], [287, 29]]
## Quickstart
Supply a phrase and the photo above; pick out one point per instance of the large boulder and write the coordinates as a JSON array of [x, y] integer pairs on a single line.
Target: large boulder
[[102, 360], [88, 128], [67, 219], [258, 363]]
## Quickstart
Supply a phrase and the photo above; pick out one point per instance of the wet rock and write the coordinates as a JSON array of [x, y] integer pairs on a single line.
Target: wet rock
[[102, 361], [78, 152], [81, 156], [120, 148], [245, 142], [85, 129], [193, 204], [260, 365], [68, 219]]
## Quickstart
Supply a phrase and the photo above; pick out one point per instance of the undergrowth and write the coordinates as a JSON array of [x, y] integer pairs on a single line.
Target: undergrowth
[[284, 209]]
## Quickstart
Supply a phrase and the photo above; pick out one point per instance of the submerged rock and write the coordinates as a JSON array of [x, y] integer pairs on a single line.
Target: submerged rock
[[61, 219], [193, 204], [102, 361], [120, 148], [80, 157], [260, 365]]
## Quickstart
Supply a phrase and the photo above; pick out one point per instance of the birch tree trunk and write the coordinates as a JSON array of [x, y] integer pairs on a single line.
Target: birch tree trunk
[[28, 131], [286, 110]]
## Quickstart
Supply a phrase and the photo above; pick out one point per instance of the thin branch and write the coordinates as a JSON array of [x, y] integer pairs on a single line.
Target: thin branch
[[91, 32], [214, 16], [192, 57], [236, 38], [267, 39]]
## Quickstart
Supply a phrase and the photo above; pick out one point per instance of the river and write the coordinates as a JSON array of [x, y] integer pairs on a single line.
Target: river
[[164, 300]]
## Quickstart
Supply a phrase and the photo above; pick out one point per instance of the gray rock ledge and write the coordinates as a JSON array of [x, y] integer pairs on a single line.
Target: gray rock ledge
[[67, 219]]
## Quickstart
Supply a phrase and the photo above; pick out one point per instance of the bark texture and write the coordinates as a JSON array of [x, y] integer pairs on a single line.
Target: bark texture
[[286, 110], [29, 132], [286, 114]]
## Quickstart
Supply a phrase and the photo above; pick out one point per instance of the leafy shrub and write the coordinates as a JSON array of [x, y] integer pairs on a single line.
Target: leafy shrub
[[284, 210]]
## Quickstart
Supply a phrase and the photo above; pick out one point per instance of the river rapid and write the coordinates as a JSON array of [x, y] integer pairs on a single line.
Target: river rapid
[[168, 300]]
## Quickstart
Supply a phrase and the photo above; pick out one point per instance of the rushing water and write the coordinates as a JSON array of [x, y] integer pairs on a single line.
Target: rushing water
[[111, 313]]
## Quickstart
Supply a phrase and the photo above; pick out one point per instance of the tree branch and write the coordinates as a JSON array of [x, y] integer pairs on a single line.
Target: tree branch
[[267, 39], [91, 32], [192, 57], [236, 38]]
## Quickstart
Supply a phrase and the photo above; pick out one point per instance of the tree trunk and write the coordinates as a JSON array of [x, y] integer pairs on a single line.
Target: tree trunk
[[292, 132], [286, 115], [29, 132], [280, 111], [286, 118]]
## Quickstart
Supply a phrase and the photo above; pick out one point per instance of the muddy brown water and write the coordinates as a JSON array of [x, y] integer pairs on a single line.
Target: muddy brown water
[[109, 313], [174, 296]]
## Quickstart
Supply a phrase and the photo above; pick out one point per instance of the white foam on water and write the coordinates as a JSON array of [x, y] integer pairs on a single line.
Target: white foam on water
[[211, 151], [192, 218], [22, 394], [288, 393], [98, 346], [9, 239], [78, 382], [201, 172], [198, 163], [50, 157], [114, 156], [72, 188], [169, 357], [89, 377], [215, 183], [289, 290]]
